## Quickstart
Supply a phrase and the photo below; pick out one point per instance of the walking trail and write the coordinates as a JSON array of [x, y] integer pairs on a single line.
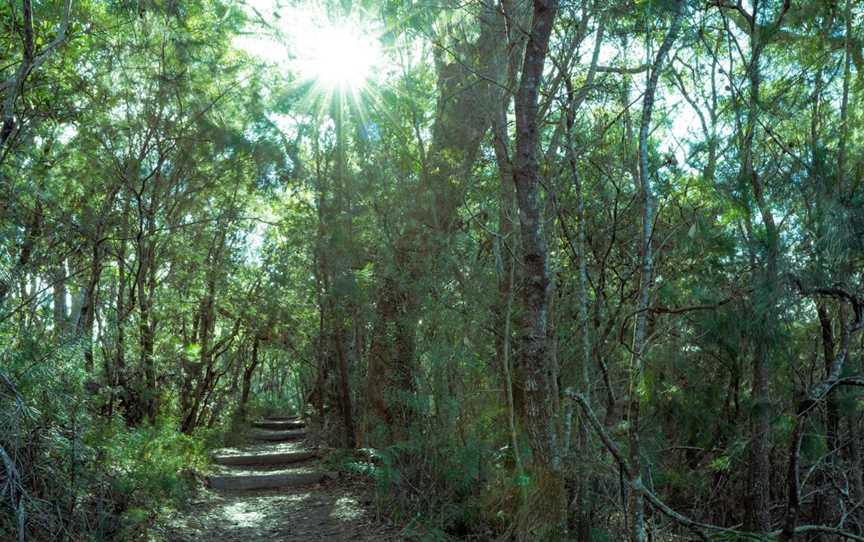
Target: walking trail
[[275, 490]]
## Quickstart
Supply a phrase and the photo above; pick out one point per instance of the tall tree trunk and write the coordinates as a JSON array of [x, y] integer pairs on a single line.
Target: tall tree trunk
[[248, 372], [844, 102], [87, 317], [767, 317], [505, 252], [856, 461], [640, 338], [59, 298], [345, 348], [832, 416], [532, 362], [584, 478], [146, 325], [461, 121], [533, 365], [391, 355], [583, 506], [341, 284], [198, 379], [504, 245], [116, 377]]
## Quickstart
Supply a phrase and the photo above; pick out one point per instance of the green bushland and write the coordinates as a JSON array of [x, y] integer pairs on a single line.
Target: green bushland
[[70, 472]]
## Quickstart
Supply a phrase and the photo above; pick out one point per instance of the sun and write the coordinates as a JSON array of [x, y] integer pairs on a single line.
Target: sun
[[341, 54], [337, 56]]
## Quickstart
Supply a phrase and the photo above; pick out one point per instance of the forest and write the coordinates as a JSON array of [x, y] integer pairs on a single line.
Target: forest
[[431, 270]]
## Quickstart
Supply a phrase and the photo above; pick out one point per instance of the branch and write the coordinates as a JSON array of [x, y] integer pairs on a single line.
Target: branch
[[742, 15], [35, 296], [7, 382], [815, 395], [623, 70], [845, 535], [659, 309], [13, 479], [744, 22], [635, 482], [14, 86], [839, 292]]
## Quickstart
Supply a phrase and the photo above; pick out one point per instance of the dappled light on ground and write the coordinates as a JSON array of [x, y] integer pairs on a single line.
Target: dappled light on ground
[[274, 447], [346, 508], [324, 512], [244, 514]]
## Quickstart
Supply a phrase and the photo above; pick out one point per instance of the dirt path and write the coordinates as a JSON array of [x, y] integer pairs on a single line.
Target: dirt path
[[303, 504]]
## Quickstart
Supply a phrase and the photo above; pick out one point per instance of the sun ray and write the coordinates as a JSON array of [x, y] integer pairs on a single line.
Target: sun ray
[[337, 56]]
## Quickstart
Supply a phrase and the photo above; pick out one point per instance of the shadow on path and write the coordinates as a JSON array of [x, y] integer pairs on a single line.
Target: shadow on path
[[327, 511], [298, 511]]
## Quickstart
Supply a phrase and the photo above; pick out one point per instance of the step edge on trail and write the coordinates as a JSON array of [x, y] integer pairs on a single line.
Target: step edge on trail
[[267, 481], [280, 436], [277, 425], [273, 458]]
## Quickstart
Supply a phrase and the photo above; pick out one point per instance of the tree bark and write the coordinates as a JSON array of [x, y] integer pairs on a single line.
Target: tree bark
[[759, 494], [640, 338], [59, 295], [532, 363], [146, 324], [462, 119], [248, 372], [536, 374], [87, 317]]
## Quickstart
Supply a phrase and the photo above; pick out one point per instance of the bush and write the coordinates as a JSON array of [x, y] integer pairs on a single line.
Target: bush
[[155, 467], [66, 475]]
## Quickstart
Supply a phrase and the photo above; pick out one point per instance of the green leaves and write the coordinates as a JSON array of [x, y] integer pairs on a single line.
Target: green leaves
[[522, 480], [192, 351]]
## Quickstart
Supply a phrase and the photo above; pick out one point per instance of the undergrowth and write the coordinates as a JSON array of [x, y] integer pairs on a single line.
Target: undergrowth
[[67, 473]]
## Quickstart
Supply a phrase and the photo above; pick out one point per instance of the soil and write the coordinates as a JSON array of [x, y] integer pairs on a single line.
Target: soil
[[337, 509]]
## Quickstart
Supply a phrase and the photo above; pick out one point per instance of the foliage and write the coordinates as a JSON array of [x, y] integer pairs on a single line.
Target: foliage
[[73, 473], [437, 265]]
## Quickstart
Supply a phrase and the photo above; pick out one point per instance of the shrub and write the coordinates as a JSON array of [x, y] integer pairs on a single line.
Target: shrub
[[65, 472]]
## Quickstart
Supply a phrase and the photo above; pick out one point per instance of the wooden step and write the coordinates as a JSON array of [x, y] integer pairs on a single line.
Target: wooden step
[[279, 424], [266, 481], [282, 418], [279, 436], [282, 458]]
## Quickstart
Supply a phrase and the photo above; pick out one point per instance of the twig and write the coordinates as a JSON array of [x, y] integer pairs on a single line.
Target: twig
[[634, 480]]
